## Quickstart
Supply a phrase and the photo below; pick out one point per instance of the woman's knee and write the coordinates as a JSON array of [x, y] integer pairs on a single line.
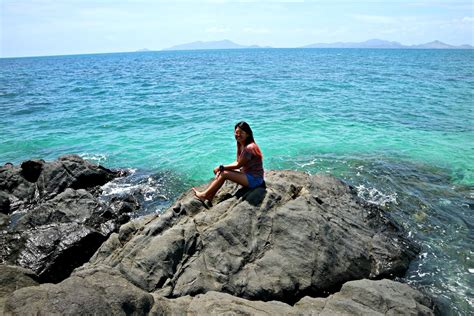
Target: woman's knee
[[225, 174]]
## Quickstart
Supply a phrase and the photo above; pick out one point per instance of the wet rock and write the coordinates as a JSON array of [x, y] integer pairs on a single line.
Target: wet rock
[[300, 235], [15, 188], [58, 221], [71, 171], [93, 292], [4, 221], [68, 206], [53, 251], [60, 235], [4, 203], [36, 181]]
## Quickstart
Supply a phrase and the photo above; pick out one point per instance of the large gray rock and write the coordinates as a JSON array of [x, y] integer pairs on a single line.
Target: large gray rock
[[13, 278], [216, 303], [58, 221], [296, 238], [34, 181], [300, 235], [368, 297], [93, 292], [364, 297]]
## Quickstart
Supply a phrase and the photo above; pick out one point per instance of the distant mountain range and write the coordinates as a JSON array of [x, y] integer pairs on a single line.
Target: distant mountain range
[[225, 44], [378, 43], [373, 43]]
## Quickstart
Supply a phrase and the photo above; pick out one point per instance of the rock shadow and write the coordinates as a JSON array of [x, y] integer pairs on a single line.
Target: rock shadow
[[254, 196]]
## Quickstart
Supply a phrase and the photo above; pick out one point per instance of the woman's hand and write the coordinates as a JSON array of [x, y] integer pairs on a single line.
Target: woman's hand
[[216, 170]]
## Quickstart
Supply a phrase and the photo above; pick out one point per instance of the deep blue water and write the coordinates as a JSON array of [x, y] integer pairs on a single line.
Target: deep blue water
[[397, 124]]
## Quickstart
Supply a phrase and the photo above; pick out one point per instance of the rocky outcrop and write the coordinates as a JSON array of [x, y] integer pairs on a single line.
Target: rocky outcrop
[[54, 220], [279, 249], [35, 181], [102, 292], [363, 297], [13, 278], [300, 235], [368, 297], [95, 292]]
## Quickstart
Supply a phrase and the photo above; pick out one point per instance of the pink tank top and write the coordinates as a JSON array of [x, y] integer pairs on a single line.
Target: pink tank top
[[254, 163]]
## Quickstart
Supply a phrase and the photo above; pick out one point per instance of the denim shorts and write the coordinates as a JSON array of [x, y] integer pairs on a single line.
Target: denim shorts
[[254, 181]]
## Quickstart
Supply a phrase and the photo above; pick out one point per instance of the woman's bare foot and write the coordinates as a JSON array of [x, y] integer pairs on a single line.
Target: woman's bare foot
[[200, 195]]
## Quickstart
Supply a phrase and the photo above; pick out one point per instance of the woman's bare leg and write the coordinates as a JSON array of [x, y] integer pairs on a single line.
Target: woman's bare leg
[[211, 191]]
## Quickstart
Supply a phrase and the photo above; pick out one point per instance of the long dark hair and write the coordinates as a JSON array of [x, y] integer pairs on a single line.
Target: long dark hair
[[246, 128]]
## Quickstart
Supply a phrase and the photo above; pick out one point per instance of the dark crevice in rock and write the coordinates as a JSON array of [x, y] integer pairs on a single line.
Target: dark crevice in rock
[[72, 258], [31, 169], [317, 199], [295, 191], [292, 298]]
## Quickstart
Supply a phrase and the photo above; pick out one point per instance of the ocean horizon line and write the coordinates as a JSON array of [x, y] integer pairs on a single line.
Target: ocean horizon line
[[232, 49]]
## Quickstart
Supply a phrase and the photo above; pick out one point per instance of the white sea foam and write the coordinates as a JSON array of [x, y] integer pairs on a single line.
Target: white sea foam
[[307, 164], [96, 158], [444, 202], [148, 188], [374, 196]]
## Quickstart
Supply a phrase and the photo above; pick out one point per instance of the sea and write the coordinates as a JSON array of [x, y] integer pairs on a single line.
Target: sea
[[395, 124]]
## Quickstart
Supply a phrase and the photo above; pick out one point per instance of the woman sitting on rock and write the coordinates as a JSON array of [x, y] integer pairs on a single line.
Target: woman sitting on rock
[[247, 170]]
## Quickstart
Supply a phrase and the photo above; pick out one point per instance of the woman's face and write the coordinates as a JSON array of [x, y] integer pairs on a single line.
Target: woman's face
[[240, 135]]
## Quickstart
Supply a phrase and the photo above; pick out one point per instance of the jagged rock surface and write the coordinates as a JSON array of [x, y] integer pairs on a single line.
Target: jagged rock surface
[[300, 235], [92, 292], [363, 297], [369, 297], [53, 220]]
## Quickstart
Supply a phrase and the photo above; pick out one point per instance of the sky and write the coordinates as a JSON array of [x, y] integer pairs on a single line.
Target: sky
[[60, 27]]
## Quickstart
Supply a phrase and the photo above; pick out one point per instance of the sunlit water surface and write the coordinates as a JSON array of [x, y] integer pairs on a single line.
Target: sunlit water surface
[[396, 124]]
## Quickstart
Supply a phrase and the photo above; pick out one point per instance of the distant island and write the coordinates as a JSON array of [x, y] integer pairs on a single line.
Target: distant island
[[378, 43], [372, 43], [224, 44]]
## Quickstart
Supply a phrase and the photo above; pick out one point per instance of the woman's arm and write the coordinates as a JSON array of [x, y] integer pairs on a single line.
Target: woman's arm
[[235, 165], [241, 160], [232, 166]]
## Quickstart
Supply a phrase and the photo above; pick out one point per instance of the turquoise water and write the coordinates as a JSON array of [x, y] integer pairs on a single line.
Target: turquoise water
[[397, 124]]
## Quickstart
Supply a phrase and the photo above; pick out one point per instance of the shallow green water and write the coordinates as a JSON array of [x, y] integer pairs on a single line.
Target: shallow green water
[[397, 124]]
